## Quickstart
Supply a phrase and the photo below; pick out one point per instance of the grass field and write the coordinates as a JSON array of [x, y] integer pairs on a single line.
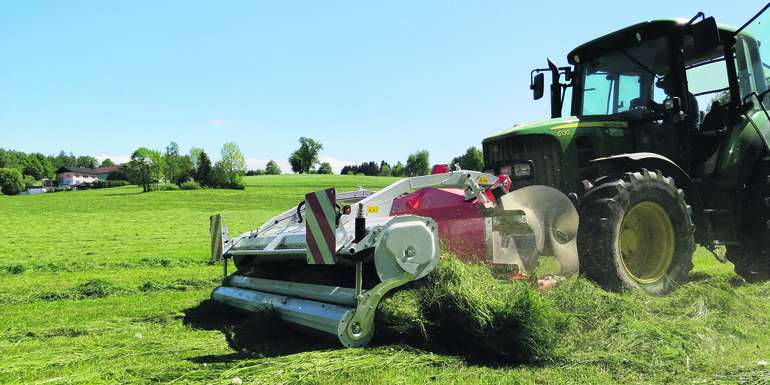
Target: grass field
[[106, 286]]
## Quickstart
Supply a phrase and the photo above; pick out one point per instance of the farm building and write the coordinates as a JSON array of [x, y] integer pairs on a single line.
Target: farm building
[[74, 176]]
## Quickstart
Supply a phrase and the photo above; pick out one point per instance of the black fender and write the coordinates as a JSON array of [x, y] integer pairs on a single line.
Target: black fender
[[648, 160]]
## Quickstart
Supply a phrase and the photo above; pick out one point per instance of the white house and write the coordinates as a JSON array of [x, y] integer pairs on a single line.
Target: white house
[[74, 176]]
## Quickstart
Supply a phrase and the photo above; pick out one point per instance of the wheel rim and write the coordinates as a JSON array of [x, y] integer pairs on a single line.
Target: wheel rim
[[647, 242]]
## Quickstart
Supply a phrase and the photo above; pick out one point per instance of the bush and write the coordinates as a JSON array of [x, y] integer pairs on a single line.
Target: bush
[[236, 184], [119, 174], [11, 181], [109, 183], [164, 187], [221, 179], [190, 185], [118, 183], [30, 182]]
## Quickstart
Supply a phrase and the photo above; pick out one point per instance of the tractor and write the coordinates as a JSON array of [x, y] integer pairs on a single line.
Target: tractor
[[665, 146]]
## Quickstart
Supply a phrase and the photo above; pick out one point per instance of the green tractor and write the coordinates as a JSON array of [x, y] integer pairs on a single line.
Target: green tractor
[[665, 146]]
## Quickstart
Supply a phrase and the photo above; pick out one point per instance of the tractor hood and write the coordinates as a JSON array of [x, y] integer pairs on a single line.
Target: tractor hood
[[559, 127]]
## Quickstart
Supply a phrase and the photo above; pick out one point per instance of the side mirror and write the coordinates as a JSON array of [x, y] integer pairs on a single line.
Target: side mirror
[[537, 86], [706, 35]]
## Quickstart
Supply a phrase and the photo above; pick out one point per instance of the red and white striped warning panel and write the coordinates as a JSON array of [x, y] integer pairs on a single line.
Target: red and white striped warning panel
[[321, 226]]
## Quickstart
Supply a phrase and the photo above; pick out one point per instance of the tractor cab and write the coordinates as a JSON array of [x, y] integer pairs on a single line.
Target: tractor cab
[[675, 85]]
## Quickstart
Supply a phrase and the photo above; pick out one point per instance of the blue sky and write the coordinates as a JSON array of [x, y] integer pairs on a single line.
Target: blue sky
[[370, 80]]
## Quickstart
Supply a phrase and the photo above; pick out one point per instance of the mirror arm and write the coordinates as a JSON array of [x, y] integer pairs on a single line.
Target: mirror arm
[[558, 89], [697, 15], [556, 99]]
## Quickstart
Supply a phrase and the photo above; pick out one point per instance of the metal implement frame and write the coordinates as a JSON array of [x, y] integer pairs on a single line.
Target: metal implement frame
[[376, 206]]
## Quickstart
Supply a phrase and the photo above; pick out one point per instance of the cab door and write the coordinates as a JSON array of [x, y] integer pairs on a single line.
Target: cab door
[[749, 133]]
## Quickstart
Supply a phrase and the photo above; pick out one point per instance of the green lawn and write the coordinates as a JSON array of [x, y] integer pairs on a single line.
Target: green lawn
[[103, 286]]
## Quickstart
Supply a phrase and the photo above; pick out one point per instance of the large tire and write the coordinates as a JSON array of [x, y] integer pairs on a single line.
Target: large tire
[[636, 231], [752, 256]]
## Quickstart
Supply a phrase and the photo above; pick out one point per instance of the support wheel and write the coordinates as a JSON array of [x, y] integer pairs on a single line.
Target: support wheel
[[752, 257], [636, 231]]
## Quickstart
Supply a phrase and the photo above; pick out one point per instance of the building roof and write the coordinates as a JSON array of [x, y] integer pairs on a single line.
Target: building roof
[[107, 169], [89, 171]]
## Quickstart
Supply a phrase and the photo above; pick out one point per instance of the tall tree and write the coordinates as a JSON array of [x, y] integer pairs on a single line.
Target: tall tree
[[398, 169], [272, 168], [140, 168], [107, 162], [65, 160], [418, 164], [145, 167], [86, 161], [195, 154], [172, 165], [31, 166], [384, 168], [233, 162], [203, 171], [158, 165], [186, 169], [472, 160], [304, 159], [45, 162]]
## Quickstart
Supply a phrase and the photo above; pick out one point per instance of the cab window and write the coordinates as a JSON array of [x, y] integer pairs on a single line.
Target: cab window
[[617, 81]]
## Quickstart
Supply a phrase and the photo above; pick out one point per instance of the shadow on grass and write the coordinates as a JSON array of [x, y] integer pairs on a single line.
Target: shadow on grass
[[265, 335], [250, 335]]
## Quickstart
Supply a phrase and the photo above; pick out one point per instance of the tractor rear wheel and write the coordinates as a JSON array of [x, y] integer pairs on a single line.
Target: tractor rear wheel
[[752, 256], [635, 231]]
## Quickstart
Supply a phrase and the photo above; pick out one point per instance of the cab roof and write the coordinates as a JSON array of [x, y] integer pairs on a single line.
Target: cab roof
[[645, 30]]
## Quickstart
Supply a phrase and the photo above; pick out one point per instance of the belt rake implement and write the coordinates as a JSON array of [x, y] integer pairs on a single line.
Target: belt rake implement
[[298, 262]]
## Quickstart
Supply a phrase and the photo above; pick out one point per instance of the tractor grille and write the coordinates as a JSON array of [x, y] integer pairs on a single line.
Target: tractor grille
[[544, 152]]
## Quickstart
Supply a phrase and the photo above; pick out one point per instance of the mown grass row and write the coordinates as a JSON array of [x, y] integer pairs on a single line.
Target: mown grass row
[[57, 286]]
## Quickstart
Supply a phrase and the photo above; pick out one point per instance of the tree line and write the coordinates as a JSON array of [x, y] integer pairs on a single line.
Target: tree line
[[149, 167], [417, 164], [271, 168], [304, 160], [20, 170]]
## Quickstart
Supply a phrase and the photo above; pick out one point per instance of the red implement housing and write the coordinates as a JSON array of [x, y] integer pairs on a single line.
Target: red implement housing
[[461, 224]]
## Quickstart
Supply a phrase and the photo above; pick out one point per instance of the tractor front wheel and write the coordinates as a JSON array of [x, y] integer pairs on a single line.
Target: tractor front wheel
[[636, 231]]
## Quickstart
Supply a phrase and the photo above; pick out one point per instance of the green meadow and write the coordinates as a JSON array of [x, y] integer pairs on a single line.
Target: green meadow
[[111, 286]]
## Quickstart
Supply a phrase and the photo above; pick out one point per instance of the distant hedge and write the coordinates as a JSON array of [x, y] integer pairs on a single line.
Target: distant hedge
[[104, 184], [11, 181], [190, 185]]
